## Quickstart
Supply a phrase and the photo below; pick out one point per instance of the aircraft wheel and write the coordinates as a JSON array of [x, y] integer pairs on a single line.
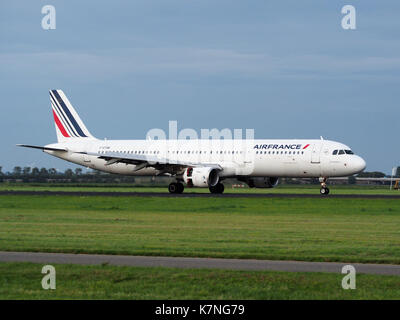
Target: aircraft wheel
[[173, 187], [324, 191], [180, 187], [217, 189]]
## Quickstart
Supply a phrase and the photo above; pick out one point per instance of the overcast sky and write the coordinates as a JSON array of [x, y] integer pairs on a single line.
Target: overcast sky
[[286, 69]]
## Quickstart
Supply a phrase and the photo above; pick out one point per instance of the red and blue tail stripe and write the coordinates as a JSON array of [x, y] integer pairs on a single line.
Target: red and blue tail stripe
[[63, 117], [60, 126]]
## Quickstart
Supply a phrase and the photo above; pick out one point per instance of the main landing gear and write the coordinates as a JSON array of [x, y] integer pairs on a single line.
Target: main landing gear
[[324, 189], [176, 187], [218, 188]]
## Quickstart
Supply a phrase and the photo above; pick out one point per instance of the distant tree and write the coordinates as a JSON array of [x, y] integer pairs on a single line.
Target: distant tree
[[52, 172], [374, 174], [26, 171], [352, 180], [78, 171], [17, 171], [1, 172], [397, 172], [35, 172], [43, 175], [68, 173]]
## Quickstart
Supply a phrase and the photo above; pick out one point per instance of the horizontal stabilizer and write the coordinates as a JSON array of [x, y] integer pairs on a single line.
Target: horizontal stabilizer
[[41, 148]]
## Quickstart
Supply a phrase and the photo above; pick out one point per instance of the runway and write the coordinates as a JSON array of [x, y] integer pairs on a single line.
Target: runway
[[199, 195], [180, 262]]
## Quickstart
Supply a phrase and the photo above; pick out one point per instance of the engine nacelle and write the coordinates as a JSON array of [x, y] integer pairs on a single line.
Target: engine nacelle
[[262, 182], [201, 177]]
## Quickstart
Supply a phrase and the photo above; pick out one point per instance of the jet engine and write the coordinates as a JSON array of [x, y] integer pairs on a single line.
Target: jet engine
[[201, 177], [262, 182]]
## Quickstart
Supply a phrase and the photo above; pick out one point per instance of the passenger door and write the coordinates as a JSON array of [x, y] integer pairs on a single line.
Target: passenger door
[[316, 152]]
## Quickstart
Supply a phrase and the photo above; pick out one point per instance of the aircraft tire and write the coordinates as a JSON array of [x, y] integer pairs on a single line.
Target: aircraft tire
[[217, 189]]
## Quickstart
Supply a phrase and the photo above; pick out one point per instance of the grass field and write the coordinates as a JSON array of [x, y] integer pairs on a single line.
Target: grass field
[[23, 281], [294, 189], [322, 229]]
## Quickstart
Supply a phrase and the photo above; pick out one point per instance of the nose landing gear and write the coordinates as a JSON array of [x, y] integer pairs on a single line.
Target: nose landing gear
[[324, 189]]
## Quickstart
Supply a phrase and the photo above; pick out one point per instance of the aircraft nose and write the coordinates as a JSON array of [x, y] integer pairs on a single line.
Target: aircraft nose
[[358, 164]]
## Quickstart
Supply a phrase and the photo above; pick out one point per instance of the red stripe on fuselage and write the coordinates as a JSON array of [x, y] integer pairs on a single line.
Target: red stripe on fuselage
[[60, 126], [306, 146]]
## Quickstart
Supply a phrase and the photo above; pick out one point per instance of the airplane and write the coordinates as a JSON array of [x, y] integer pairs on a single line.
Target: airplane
[[202, 162]]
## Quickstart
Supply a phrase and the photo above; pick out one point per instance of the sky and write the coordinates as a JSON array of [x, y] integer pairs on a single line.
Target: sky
[[286, 69]]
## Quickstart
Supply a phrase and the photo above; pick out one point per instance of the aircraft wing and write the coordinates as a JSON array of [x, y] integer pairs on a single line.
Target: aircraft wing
[[141, 161]]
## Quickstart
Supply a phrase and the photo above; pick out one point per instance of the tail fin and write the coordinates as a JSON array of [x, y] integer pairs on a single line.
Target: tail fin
[[67, 121]]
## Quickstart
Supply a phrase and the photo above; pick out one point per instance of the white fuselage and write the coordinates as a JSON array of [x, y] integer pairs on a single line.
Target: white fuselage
[[255, 158]]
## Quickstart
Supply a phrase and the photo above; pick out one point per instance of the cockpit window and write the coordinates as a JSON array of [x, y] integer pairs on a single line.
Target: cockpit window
[[341, 151], [334, 152], [349, 152]]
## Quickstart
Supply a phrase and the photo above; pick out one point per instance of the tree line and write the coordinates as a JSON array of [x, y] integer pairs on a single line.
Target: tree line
[[29, 174]]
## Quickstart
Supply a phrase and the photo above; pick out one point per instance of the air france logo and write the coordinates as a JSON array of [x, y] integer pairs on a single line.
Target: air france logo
[[280, 146]]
